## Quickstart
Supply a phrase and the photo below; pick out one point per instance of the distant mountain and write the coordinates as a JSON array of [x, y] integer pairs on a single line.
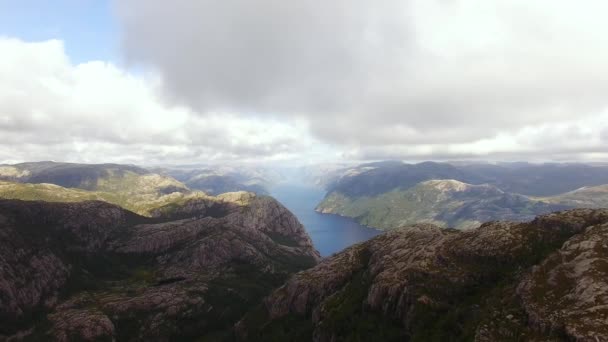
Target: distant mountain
[[447, 203], [523, 178], [377, 178], [92, 177], [92, 271], [538, 281], [319, 175], [387, 195], [142, 196], [131, 187], [586, 197], [220, 179], [548, 179]]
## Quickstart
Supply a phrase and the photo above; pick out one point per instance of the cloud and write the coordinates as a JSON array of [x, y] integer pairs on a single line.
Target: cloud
[[97, 112], [310, 80], [392, 78]]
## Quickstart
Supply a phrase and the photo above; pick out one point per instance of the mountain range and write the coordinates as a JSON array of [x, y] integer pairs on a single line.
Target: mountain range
[[113, 252], [131, 187], [388, 195]]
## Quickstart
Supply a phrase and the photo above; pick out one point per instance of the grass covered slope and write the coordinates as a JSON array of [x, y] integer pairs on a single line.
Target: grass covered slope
[[446, 203], [140, 195], [505, 281], [130, 187]]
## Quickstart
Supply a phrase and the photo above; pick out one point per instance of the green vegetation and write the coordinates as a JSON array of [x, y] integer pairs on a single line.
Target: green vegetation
[[347, 319], [446, 203], [129, 192]]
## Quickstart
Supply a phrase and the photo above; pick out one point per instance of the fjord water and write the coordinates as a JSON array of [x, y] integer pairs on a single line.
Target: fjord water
[[329, 233]]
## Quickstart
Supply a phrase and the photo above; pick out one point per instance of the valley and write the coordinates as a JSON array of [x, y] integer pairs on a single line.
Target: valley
[[126, 253]]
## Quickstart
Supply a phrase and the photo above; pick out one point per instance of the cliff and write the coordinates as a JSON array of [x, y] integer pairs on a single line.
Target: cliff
[[537, 281], [94, 271]]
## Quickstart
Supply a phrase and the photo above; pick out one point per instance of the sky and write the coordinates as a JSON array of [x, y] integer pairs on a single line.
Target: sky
[[197, 81]]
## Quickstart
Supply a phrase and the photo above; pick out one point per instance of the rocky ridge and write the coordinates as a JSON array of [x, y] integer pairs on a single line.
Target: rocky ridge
[[92, 270], [505, 281]]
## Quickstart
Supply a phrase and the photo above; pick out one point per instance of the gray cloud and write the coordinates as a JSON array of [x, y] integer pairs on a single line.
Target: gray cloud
[[265, 55], [604, 135], [377, 73], [275, 80]]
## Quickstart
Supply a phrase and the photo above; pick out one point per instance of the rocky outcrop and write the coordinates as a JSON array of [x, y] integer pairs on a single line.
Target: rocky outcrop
[[94, 271], [568, 292], [424, 283]]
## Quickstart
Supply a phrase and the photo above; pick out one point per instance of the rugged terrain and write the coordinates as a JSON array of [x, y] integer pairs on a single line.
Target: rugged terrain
[[94, 271], [539, 281], [391, 194]]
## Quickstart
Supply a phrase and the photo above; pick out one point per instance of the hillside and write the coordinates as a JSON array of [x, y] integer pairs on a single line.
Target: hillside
[[141, 197], [93, 177], [130, 187], [586, 197], [391, 194], [447, 203], [377, 178], [541, 180], [538, 281], [94, 271]]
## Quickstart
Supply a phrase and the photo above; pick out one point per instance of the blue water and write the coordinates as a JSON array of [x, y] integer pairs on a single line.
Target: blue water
[[329, 233]]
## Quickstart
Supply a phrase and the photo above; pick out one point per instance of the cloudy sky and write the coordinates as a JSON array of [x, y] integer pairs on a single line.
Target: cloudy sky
[[193, 81]]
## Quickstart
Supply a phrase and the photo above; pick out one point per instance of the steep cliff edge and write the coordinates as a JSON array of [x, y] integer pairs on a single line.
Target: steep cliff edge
[[91, 270], [537, 281]]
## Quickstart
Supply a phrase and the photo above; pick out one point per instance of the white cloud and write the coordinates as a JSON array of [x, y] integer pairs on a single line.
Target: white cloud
[[52, 109]]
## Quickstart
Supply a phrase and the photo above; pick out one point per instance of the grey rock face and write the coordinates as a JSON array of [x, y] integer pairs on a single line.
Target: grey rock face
[[568, 292], [424, 283], [95, 271]]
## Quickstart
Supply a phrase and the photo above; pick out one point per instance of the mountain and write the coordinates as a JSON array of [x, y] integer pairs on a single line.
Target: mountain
[[94, 271], [92, 177], [215, 180], [390, 194], [143, 195], [539, 281], [586, 197], [130, 187], [376, 178], [549, 179], [447, 203]]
